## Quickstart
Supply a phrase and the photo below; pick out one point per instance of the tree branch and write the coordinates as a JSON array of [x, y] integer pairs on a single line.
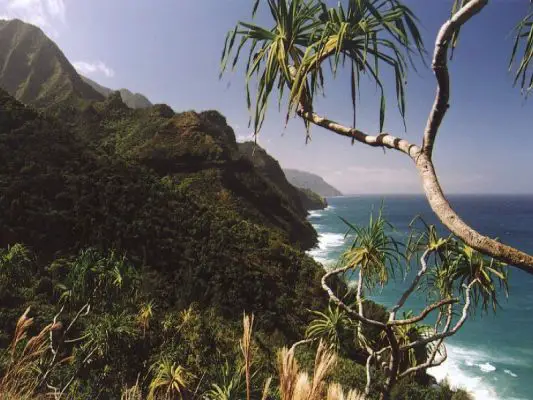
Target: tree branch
[[441, 207], [422, 156], [368, 374], [343, 305], [430, 361], [424, 164], [440, 67], [407, 293], [381, 140], [447, 332], [424, 313]]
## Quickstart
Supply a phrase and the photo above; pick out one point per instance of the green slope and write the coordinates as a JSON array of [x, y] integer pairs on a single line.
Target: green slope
[[35, 71]]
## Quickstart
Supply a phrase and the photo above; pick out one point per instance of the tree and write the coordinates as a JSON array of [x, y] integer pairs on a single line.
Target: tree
[[330, 326], [366, 34], [455, 278]]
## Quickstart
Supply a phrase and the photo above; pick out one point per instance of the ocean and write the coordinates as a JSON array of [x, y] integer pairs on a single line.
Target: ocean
[[492, 355]]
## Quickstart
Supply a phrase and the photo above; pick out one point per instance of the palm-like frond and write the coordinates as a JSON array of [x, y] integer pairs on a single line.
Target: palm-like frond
[[489, 276], [170, 381], [91, 272], [272, 51], [409, 333], [108, 332], [365, 34], [372, 250], [329, 326], [523, 46], [231, 384], [145, 315], [306, 34]]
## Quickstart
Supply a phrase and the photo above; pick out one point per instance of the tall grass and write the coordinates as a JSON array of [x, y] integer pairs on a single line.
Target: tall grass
[[298, 385], [21, 377], [246, 348], [23, 374]]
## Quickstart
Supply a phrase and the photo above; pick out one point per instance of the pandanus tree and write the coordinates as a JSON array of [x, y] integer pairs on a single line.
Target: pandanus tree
[[292, 58], [456, 280]]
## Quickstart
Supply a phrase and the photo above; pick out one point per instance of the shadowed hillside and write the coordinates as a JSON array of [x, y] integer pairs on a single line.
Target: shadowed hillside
[[132, 100], [301, 199]]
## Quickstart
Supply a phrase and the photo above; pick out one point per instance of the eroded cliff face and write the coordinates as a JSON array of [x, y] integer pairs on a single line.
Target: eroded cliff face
[[269, 168]]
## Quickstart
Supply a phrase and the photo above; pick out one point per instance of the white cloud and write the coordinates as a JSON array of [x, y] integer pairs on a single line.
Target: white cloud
[[93, 68], [49, 15], [245, 138]]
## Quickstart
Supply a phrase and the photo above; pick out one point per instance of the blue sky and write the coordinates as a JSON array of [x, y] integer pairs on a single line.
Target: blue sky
[[169, 50]]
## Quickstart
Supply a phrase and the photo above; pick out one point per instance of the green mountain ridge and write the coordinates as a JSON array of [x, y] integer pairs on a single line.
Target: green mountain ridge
[[270, 169], [173, 194], [122, 208], [170, 190], [315, 183], [312, 200], [35, 71], [132, 100]]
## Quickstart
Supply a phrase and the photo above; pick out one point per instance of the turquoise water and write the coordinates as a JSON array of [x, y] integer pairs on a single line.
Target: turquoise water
[[492, 356]]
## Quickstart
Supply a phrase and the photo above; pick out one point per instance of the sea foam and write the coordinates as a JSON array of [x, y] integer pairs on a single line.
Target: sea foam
[[509, 372], [458, 374], [327, 242]]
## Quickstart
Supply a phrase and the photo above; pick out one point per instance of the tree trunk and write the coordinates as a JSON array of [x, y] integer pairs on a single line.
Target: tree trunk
[[441, 207]]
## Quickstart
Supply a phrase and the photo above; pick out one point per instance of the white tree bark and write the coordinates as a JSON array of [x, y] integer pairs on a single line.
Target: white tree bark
[[422, 156]]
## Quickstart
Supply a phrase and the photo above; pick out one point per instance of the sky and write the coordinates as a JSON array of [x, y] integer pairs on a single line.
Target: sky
[[169, 50]]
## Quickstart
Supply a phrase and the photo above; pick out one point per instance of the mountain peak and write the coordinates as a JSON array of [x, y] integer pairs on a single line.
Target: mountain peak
[[132, 100], [34, 70]]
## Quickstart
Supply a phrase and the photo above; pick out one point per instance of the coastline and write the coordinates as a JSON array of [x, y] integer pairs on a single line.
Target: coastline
[[477, 369]]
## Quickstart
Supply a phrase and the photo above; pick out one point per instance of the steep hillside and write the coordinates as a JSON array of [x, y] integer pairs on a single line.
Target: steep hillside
[[35, 71], [200, 226], [132, 100], [312, 201], [302, 200], [270, 169], [178, 199], [312, 182]]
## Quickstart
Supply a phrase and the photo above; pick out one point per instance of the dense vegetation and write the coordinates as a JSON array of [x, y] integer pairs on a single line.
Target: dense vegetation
[[133, 240], [194, 234], [311, 200], [152, 227], [301, 199]]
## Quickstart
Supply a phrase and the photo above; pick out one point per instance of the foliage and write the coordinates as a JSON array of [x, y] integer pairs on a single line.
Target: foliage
[[108, 349], [230, 385], [311, 200], [375, 252], [171, 381], [306, 35], [330, 326], [524, 38], [99, 181]]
